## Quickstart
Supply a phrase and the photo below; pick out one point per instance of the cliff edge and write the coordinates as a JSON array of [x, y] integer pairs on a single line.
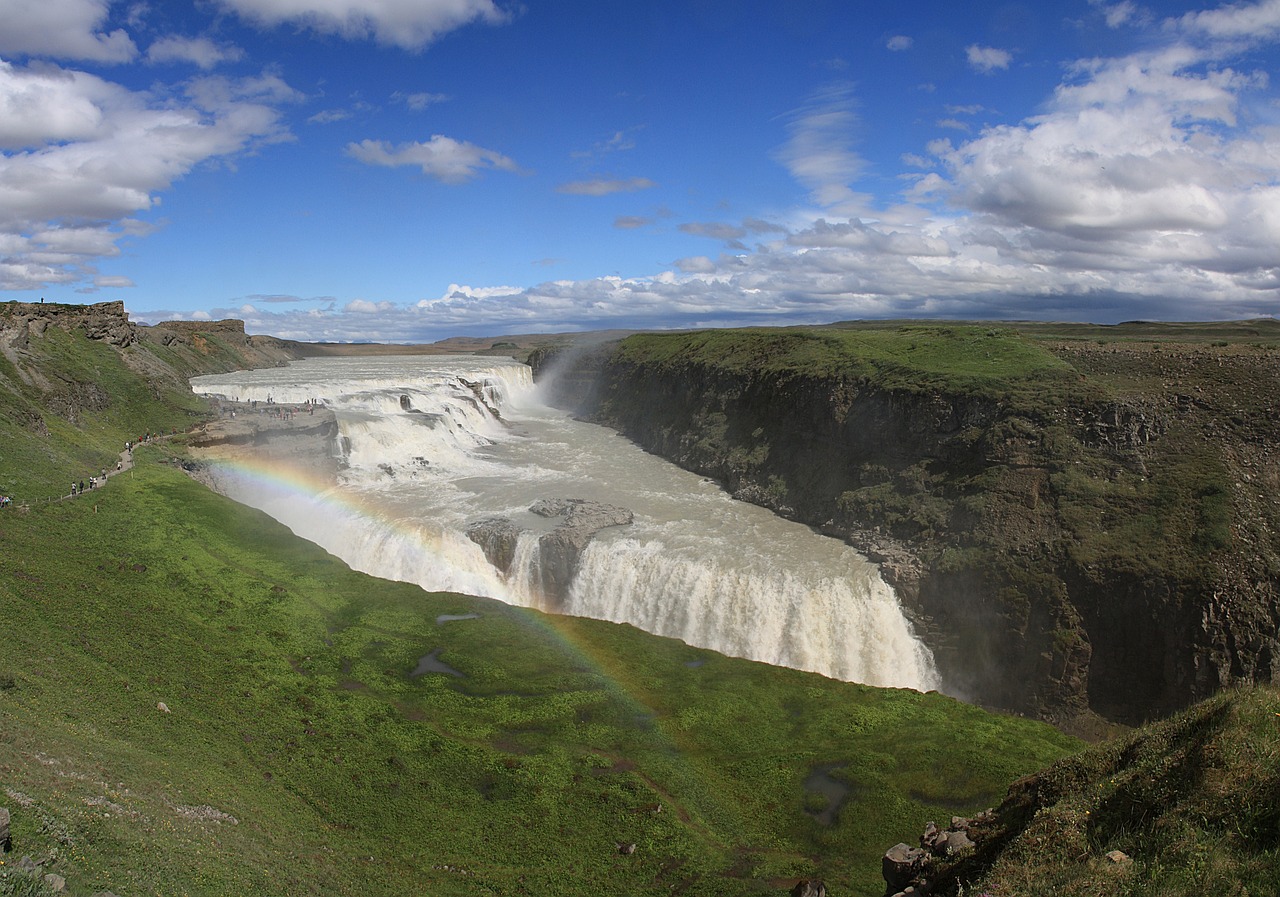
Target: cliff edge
[[1081, 520]]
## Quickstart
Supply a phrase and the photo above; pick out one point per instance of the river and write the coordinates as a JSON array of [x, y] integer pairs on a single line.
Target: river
[[431, 444]]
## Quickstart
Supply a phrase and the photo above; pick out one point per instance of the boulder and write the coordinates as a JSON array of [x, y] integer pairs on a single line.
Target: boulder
[[901, 866], [956, 842], [809, 888], [497, 537]]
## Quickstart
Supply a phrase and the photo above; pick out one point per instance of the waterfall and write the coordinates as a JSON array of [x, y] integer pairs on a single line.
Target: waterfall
[[432, 445]]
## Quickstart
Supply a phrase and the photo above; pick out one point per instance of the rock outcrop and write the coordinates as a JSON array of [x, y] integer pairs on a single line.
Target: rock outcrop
[[104, 321], [559, 550]]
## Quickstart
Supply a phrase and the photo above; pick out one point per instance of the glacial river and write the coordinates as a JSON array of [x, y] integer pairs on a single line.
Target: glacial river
[[429, 445]]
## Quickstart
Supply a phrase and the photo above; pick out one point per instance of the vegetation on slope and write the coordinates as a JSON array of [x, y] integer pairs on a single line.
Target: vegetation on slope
[[1192, 804], [66, 412], [920, 358], [194, 701], [294, 709]]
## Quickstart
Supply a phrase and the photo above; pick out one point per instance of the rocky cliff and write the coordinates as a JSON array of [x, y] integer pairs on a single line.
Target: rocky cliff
[[1078, 526]]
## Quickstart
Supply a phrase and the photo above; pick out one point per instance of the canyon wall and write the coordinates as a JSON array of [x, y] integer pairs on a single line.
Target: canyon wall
[[1099, 541]]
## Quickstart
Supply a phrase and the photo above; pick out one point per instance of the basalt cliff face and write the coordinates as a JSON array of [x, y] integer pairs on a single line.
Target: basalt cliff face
[[1104, 547]]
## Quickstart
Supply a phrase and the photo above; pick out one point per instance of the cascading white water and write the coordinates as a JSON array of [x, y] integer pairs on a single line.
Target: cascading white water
[[432, 444]]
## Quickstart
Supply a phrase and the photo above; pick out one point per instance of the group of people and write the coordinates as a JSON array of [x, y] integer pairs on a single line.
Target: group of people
[[94, 482]]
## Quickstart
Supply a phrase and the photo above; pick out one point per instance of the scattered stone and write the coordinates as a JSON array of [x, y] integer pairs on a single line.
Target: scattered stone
[[56, 883], [205, 813], [26, 864], [809, 888], [6, 840], [162, 707], [1119, 857], [626, 848]]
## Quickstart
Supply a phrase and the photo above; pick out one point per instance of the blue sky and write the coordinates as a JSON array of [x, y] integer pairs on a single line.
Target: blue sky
[[407, 170]]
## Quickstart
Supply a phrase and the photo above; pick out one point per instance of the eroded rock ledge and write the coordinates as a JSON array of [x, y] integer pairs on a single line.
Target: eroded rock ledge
[[559, 550]]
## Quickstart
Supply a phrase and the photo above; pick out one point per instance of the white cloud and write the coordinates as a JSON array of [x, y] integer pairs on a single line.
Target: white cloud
[[63, 29], [410, 24], [112, 281], [85, 155], [199, 51], [1255, 21], [365, 307], [988, 59], [899, 42], [443, 158], [419, 101], [819, 152], [329, 116], [605, 186]]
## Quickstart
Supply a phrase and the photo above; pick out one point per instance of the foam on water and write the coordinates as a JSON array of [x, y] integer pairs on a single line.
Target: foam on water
[[430, 445]]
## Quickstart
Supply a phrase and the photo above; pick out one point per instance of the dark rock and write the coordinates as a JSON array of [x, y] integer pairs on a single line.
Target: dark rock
[[809, 888], [6, 840], [901, 866], [558, 550], [956, 842], [626, 848], [497, 536]]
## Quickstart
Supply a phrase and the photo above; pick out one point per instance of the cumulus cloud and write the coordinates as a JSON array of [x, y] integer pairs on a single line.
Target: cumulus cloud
[[409, 24], [987, 59], [899, 42], [1255, 21], [199, 51], [365, 307], [63, 29], [443, 158], [605, 186], [85, 155]]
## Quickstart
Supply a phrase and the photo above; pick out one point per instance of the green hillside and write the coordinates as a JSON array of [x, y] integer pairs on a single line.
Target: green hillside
[[296, 752]]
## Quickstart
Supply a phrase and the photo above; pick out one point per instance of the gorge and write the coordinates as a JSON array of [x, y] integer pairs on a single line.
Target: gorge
[[1082, 520]]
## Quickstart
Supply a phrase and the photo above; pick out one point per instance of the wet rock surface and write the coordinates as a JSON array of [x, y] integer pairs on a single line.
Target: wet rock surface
[[559, 550]]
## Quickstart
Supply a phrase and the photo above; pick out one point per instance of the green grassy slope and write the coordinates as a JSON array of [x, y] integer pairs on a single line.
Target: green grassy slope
[[300, 755], [67, 410], [1192, 803], [293, 709], [962, 359]]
